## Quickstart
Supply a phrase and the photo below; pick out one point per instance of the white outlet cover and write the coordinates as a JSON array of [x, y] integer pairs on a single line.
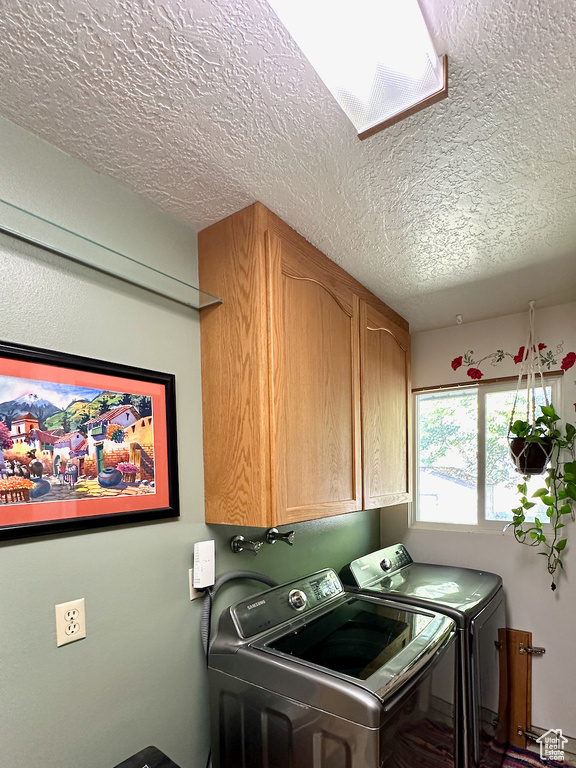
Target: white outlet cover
[[70, 622]]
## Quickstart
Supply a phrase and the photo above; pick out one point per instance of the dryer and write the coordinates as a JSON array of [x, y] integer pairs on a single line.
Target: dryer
[[475, 601], [307, 675]]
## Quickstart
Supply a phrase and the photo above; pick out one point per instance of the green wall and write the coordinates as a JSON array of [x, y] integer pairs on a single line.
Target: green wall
[[138, 678]]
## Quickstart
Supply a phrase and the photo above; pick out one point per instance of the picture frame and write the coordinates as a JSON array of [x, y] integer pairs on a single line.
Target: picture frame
[[84, 443]]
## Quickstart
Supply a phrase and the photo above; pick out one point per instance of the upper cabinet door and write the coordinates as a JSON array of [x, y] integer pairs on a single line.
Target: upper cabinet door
[[314, 381], [385, 387]]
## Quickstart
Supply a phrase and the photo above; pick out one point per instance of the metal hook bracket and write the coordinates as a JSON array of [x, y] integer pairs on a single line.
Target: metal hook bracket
[[273, 535], [239, 543]]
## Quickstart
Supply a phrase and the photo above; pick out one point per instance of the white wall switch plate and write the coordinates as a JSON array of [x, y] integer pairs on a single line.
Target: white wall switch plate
[[70, 622], [204, 564]]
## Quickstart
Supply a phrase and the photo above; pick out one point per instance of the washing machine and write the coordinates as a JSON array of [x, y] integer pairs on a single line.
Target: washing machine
[[475, 601], [306, 675]]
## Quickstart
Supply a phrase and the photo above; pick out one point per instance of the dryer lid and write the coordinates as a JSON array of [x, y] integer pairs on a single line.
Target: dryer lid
[[391, 571]]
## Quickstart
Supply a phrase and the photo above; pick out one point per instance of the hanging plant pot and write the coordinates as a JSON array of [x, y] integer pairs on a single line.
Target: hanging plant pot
[[530, 458]]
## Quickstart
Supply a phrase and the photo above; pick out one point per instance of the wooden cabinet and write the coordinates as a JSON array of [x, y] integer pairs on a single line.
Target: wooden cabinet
[[290, 368]]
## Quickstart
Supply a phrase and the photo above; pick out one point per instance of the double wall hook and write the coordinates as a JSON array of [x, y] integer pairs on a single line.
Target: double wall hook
[[239, 543]]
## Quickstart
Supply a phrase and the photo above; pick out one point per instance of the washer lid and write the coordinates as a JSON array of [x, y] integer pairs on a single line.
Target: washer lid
[[391, 571], [378, 642]]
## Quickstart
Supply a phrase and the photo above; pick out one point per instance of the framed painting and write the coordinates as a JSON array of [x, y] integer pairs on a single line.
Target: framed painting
[[83, 443]]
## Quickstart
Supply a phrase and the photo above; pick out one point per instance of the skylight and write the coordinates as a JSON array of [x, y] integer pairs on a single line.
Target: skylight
[[375, 56]]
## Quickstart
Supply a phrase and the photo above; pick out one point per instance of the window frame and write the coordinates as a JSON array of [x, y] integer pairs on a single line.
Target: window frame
[[552, 379]]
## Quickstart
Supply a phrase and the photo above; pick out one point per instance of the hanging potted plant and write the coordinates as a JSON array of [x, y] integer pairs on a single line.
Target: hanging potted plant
[[557, 494], [536, 442], [531, 439], [531, 444]]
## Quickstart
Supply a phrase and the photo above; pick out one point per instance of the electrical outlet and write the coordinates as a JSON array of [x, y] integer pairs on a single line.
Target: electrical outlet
[[70, 622]]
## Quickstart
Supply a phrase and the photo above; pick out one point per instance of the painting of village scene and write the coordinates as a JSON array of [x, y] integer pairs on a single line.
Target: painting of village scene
[[61, 442]]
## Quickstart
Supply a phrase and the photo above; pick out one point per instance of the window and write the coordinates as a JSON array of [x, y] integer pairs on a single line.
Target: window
[[463, 472]]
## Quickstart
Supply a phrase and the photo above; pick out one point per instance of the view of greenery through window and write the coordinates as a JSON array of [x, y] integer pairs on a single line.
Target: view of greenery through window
[[465, 475]]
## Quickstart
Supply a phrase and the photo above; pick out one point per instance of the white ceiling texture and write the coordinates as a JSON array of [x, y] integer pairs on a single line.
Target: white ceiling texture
[[204, 106]]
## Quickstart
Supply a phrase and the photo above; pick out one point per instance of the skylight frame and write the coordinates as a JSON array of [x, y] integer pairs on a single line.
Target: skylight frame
[[376, 57]]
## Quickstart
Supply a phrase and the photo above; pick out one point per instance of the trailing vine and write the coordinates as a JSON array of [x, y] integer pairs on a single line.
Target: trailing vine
[[558, 494]]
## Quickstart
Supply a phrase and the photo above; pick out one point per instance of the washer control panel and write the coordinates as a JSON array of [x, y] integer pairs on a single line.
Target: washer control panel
[[402, 557], [279, 604]]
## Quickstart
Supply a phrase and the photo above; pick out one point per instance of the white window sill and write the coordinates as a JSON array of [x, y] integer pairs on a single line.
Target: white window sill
[[486, 527]]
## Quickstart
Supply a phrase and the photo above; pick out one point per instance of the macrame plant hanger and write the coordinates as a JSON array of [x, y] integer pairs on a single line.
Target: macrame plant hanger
[[531, 370]]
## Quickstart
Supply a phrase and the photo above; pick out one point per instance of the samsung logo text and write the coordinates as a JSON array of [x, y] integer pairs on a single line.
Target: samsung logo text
[[255, 605]]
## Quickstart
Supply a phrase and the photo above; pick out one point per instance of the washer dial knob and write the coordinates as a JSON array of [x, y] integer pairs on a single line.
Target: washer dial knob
[[386, 564], [297, 599]]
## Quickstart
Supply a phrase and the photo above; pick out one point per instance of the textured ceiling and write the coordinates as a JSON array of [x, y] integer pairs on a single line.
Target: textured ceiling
[[204, 107]]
